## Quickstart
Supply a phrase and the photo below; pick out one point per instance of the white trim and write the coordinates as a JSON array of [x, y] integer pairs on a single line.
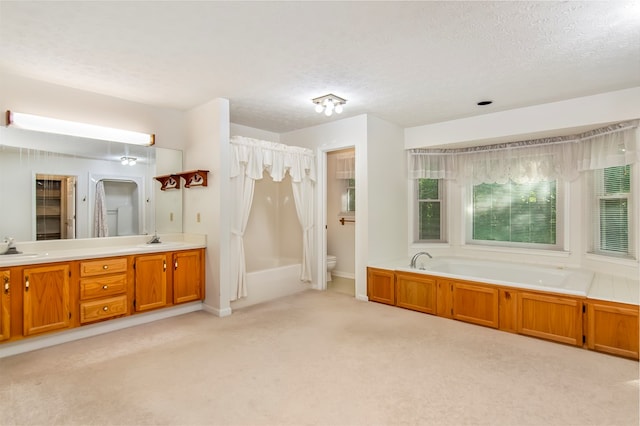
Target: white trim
[[34, 343], [516, 250], [217, 312], [349, 275], [321, 209]]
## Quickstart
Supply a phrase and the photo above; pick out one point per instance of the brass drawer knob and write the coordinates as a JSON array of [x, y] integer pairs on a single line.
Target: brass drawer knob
[[104, 287], [106, 308], [105, 266]]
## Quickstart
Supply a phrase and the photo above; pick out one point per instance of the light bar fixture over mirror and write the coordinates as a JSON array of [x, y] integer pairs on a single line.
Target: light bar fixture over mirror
[[72, 128]]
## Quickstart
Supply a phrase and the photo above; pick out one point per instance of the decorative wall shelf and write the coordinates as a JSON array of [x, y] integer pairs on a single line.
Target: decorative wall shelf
[[169, 181], [194, 178], [191, 178]]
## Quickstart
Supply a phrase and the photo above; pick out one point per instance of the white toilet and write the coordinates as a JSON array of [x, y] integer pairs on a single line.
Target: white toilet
[[331, 263]]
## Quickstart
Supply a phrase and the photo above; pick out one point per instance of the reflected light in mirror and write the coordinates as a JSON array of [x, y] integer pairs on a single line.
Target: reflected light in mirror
[[71, 128]]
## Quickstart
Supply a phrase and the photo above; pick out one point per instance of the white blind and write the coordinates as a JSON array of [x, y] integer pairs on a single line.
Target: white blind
[[611, 212]]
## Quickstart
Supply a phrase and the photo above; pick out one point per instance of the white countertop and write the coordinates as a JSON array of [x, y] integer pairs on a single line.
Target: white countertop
[[37, 252]]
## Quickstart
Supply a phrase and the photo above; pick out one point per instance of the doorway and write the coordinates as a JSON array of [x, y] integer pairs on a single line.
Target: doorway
[[340, 220], [55, 201]]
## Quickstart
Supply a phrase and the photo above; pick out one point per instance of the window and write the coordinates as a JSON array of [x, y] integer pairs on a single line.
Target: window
[[349, 200], [430, 211], [515, 214], [611, 211]]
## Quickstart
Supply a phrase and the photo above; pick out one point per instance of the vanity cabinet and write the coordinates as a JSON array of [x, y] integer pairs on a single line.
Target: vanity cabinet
[[103, 289], [5, 304], [381, 286], [416, 292], [46, 298], [551, 317], [473, 303], [613, 328], [150, 281], [188, 271]]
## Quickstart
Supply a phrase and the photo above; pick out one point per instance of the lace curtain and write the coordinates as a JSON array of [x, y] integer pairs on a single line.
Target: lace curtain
[[346, 165], [530, 161]]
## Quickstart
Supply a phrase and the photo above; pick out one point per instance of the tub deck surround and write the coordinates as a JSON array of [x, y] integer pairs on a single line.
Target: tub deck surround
[[38, 252], [569, 281], [571, 306]]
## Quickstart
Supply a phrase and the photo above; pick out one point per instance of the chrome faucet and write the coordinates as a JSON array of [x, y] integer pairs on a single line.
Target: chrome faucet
[[11, 246], [155, 239], [416, 256]]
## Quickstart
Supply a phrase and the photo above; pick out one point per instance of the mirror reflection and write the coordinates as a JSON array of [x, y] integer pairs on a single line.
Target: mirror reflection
[[63, 187]]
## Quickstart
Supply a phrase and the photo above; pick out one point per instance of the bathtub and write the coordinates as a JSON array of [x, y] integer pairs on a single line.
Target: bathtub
[[271, 278], [556, 280]]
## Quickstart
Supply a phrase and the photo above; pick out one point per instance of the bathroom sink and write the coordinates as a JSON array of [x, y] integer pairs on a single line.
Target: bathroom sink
[[20, 255], [161, 246]]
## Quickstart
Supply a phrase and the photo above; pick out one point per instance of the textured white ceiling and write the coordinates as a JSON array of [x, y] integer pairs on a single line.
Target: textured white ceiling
[[410, 63]]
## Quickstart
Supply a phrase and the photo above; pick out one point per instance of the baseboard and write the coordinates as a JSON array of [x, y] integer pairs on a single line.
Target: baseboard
[[362, 297], [349, 275], [215, 311], [34, 343]]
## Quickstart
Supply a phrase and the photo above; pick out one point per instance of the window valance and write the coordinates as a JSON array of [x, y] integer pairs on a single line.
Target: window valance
[[346, 165], [275, 158], [533, 160]]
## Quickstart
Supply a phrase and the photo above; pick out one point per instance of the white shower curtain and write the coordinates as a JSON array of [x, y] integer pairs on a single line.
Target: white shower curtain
[[100, 227], [242, 187], [303, 196], [249, 159]]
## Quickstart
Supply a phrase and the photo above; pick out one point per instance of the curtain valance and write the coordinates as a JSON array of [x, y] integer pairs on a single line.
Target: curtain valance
[[346, 165], [529, 161], [275, 158]]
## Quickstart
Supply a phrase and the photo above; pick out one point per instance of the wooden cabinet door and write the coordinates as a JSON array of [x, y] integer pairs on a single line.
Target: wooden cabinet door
[[381, 286], [444, 298], [46, 304], [613, 328], [5, 305], [508, 307], [416, 292], [187, 279], [556, 318], [475, 303], [150, 282]]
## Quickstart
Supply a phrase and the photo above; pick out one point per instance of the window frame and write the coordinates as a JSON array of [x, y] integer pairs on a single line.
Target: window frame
[[442, 199], [561, 222], [596, 177]]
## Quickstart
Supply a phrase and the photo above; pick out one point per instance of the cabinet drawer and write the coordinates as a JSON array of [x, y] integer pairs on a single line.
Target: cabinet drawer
[[90, 288], [103, 308], [103, 266]]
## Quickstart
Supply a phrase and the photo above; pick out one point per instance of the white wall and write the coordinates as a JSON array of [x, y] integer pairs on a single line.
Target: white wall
[[341, 239], [542, 119], [381, 203], [205, 208], [345, 133], [35, 97], [252, 132], [388, 211]]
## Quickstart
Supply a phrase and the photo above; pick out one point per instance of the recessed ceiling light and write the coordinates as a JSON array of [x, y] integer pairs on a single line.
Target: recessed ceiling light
[[483, 103]]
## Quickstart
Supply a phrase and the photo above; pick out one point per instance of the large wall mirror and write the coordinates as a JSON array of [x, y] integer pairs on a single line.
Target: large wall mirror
[[63, 187]]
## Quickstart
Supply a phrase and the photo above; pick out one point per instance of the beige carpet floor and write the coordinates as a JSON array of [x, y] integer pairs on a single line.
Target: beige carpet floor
[[316, 358]]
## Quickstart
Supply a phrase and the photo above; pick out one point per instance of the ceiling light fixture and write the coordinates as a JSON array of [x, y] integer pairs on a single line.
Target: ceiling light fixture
[[72, 128], [131, 161], [329, 104]]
